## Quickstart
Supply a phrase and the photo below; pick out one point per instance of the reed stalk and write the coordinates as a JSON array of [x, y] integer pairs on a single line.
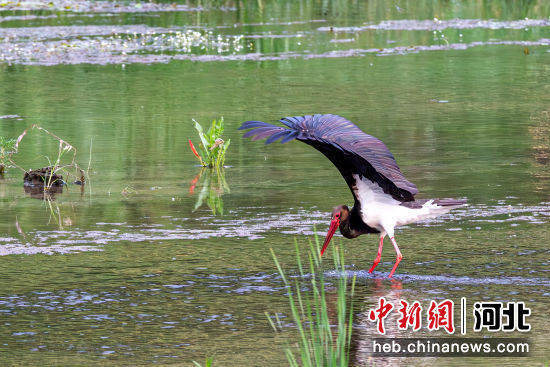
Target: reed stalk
[[322, 341]]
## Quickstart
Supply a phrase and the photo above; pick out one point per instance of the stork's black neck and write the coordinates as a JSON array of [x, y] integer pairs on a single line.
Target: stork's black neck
[[353, 225]]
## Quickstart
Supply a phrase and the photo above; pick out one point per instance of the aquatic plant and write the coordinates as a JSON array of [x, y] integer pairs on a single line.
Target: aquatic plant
[[208, 362], [320, 343], [212, 148], [56, 164], [7, 148]]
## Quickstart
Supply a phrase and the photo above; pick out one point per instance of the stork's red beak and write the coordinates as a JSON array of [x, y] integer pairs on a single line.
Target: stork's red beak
[[334, 223]]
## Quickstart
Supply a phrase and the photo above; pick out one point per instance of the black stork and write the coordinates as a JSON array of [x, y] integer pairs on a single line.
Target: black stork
[[384, 198]]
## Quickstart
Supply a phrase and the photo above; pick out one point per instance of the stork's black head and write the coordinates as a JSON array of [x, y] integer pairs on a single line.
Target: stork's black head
[[340, 214]]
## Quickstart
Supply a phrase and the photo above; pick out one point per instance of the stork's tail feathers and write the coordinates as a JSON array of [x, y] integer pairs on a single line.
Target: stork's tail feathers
[[418, 204], [428, 209], [436, 207]]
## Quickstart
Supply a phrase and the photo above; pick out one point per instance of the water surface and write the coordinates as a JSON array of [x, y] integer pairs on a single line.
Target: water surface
[[130, 273]]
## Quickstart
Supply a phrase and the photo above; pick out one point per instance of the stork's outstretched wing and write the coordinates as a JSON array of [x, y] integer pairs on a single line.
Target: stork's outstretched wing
[[351, 150]]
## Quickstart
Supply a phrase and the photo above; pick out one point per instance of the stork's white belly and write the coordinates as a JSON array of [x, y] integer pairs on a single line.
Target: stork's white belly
[[379, 214], [379, 210]]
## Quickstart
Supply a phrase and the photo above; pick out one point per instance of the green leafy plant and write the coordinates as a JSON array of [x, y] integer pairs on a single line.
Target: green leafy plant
[[7, 148], [320, 343], [212, 147], [208, 362]]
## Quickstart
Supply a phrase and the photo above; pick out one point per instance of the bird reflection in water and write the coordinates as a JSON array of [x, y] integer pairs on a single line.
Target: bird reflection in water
[[366, 297], [365, 330]]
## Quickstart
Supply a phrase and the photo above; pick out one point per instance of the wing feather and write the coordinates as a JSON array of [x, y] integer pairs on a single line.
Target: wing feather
[[350, 149], [277, 136]]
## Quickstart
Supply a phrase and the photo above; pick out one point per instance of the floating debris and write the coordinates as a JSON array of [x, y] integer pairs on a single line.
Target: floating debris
[[119, 50], [43, 177], [107, 45], [25, 17], [30, 249], [43, 184], [87, 6], [437, 25], [356, 52], [127, 44], [343, 40], [296, 22]]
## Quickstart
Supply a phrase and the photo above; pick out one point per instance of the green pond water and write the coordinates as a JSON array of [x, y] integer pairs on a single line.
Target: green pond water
[[129, 271]]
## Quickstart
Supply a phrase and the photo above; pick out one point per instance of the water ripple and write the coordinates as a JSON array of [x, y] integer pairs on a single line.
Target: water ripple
[[238, 224], [87, 6], [455, 280], [438, 25], [127, 44]]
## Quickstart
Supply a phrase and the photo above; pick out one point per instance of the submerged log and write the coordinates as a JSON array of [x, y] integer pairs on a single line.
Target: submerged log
[[43, 177]]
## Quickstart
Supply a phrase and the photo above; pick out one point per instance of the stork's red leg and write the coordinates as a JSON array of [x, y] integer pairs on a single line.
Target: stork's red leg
[[379, 255], [398, 259]]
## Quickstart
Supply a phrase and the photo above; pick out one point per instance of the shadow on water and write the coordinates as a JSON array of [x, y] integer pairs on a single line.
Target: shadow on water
[[38, 192]]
